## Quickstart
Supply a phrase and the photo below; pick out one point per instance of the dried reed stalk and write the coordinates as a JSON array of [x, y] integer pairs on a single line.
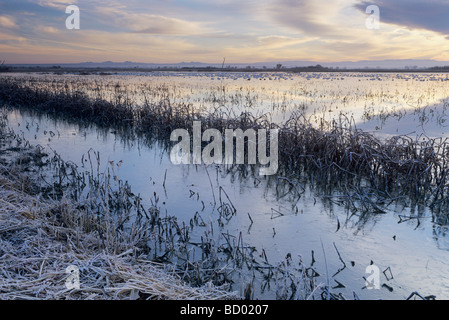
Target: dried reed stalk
[[36, 249]]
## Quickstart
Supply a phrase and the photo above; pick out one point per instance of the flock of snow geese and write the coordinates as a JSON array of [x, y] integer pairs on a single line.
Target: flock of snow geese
[[269, 76]]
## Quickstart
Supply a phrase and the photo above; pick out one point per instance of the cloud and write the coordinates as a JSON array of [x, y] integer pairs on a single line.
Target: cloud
[[47, 29], [202, 30], [429, 15], [56, 4], [279, 41], [155, 24], [139, 21], [10, 38], [102, 46], [313, 18], [8, 22]]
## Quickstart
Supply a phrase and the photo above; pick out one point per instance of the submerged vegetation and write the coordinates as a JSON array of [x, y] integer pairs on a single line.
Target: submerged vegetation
[[78, 212], [371, 171], [42, 232], [53, 215]]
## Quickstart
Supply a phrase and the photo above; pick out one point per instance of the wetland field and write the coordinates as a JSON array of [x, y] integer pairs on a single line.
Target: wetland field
[[362, 184]]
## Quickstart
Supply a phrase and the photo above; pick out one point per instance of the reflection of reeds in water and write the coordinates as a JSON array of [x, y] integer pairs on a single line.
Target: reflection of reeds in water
[[58, 215], [336, 155], [43, 231], [342, 163], [39, 239]]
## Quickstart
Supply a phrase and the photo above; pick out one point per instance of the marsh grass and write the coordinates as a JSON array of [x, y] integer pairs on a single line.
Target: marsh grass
[[340, 163], [337, 158], [54, 215], [44, 232], [40, 239]]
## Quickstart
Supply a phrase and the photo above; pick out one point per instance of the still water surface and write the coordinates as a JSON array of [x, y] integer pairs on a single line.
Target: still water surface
[[387, 104]]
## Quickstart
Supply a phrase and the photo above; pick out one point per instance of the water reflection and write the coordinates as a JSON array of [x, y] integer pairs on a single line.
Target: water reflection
[[320, 96], [305, 214], [292, 214], [428, 121]]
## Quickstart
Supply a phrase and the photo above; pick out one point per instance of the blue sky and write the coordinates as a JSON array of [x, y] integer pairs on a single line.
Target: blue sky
[[171, 31]]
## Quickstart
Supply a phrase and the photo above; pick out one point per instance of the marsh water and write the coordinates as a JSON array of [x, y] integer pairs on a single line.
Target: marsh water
[[408, 245]]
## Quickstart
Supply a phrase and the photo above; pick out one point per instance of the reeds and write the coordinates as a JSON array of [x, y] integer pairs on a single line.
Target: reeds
[[57, 214], [36, 250], [341, 162], [334, 154], [41, 236]]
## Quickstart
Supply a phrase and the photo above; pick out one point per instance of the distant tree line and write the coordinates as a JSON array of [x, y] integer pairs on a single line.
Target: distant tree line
[[440, 68]]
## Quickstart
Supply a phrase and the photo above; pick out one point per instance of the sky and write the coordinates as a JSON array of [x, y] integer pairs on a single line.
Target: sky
[[242, 31]]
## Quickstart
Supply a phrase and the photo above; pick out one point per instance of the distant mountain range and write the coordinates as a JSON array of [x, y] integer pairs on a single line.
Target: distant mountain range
[[363, 64]]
